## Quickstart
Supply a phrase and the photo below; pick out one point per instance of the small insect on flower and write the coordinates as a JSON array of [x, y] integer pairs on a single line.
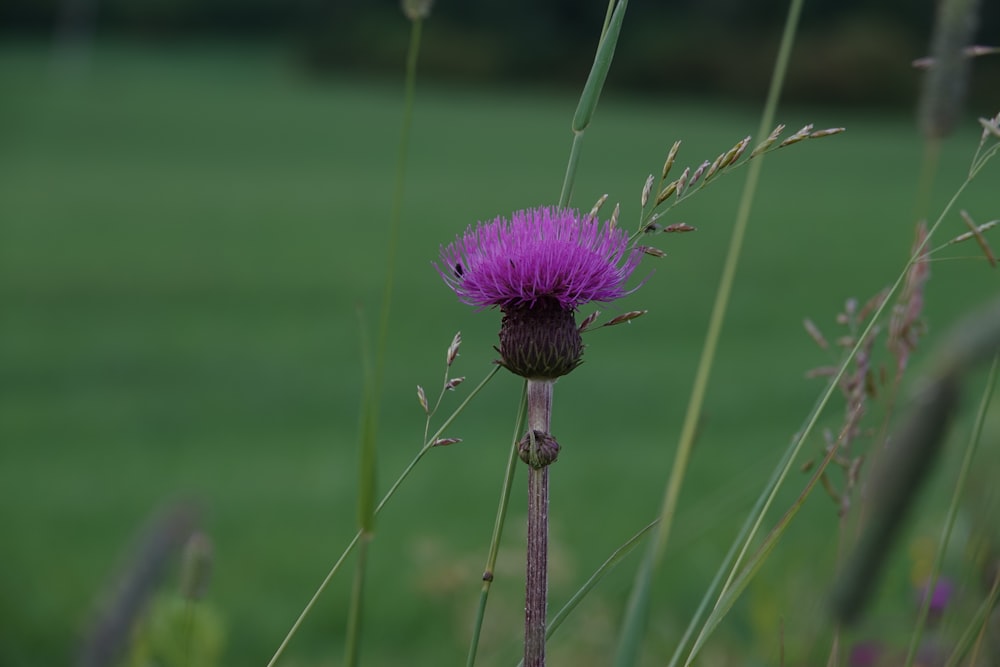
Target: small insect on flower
[[539, 266]]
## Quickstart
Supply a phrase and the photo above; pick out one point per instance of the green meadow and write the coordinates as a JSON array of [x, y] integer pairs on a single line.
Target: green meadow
[[192, 255]]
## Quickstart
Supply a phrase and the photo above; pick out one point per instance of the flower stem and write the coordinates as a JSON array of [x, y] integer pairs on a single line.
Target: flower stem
[[536, 586]]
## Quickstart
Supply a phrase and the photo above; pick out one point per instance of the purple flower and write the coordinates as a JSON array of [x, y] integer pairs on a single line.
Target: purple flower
[[539, 267], [865, 654], [540, 253], [941, 595]]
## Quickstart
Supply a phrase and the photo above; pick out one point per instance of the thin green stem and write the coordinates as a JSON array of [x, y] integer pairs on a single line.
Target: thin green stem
[[491, 559], [373, 383], [428, 445], [970, 450], [637, 611], [396, 215], [352, 647], [591, 94]]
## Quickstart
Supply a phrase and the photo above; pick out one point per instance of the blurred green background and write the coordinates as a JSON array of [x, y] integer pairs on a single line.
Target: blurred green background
[[192, 230]]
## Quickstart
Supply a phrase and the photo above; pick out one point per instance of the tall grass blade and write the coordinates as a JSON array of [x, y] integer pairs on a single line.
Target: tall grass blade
[[638, 606], [591, 94], [428, 445], [491, 559], [970, 450]]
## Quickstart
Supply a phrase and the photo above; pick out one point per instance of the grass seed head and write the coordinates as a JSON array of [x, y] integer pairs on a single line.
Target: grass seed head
[[456, 342], [715, 167], [818, 134], [422, 397], [946, 78], [698, 172], [976, 231], [652, 252], [680, 227], [646, 189], [597, 207], [767, 143], [736, 153], [444, 442], [798, 136], [590, 319], [626, 317], [991, 126], [815, 333], [671, 156], [417, 9], [666, 192], [682, 181]]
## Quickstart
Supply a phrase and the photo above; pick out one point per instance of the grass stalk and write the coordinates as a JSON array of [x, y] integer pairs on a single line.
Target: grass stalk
[[498, 524], [592, 93], [373, 384], [638, 607], [428, 445], [970, 450], [539, 402]]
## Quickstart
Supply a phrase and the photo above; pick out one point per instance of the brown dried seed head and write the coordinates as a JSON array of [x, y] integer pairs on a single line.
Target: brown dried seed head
[[666, 192], [651, 251], [797, 137], [456, 342], [682, 181], [766, 144], [670, 160], [626, 317], [454, 382], [974, 51], [444, 442], [646, 189], [597, 207], [680, 227], [738, 153], [698, 172], [715, 167], [422, 397], [827, 132], [588, 321], [991, 126], [977, 232], [417, 9], [965, 236], [814, 333]]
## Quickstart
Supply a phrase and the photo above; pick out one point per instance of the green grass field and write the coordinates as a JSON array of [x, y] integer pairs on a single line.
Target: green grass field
[[188, 237]]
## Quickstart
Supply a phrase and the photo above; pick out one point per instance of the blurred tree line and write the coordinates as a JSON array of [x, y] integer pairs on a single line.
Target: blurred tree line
[[848, 51]]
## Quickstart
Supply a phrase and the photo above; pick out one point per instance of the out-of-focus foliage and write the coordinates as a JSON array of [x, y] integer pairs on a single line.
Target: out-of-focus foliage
[[850, 52]]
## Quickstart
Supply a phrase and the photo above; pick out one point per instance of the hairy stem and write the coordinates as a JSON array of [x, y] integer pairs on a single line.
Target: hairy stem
[[536, 586]]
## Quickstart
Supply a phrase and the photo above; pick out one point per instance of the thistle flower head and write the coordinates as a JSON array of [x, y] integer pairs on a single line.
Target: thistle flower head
[[539, 267], [539, 254]]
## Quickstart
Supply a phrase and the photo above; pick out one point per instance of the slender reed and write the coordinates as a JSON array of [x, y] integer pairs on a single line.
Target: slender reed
[[637, 610], [949, 523], [373, 382], [592, 93], [429, 444], [498, 524]]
